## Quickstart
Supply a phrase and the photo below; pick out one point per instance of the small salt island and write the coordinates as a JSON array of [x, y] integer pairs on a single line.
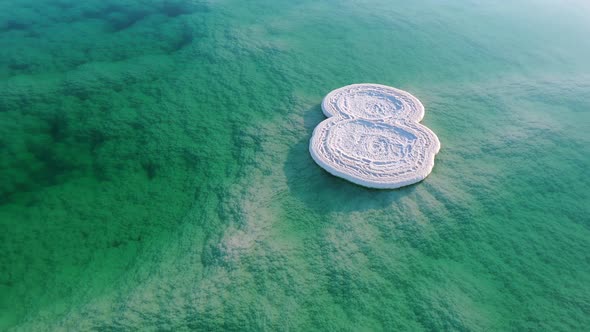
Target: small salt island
[[373, 137]]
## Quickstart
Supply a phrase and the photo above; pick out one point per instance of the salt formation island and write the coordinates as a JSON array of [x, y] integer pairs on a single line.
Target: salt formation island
[[373, 137]]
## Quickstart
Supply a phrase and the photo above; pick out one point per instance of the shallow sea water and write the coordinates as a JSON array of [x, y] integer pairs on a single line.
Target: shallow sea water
[[155, 175]]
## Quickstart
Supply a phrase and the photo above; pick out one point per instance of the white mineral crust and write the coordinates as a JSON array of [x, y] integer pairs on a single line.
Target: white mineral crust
[[372, 137]]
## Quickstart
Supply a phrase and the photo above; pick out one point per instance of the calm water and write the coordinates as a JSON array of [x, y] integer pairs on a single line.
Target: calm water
[[154, 171]]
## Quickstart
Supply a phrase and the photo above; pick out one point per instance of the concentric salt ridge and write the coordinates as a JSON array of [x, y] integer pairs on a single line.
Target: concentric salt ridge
[[373, 137]]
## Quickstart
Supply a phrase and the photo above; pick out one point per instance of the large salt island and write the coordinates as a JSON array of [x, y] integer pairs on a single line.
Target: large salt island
[[373, 137]]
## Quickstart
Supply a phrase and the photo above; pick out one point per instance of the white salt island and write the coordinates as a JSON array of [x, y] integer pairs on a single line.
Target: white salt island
[[373, 137]]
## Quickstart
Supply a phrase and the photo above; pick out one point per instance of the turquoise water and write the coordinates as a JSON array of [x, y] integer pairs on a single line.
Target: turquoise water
[[155, 175]]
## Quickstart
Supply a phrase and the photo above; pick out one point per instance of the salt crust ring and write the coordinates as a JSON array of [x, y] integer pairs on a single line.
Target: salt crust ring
[[373, 137]]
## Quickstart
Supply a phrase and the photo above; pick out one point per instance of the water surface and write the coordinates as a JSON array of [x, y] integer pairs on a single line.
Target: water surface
[[155, 171]]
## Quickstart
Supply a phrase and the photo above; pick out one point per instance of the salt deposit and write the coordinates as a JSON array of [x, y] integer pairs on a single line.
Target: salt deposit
[[372, 102], [372, 137]]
